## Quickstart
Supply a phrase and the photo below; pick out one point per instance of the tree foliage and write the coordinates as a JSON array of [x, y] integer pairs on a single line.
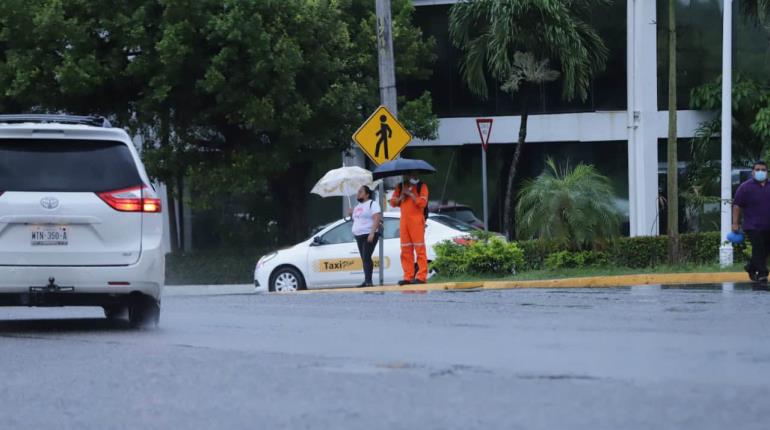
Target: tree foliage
[[751, 117], [239, 96], [490, 32]]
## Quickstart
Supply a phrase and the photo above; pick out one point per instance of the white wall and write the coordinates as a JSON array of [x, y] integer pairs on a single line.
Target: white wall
[[573, 127]]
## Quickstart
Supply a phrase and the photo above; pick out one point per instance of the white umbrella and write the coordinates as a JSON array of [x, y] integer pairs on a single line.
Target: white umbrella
[[344, 181]]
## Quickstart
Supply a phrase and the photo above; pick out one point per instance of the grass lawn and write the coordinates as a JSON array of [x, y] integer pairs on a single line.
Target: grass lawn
[[591, 271]]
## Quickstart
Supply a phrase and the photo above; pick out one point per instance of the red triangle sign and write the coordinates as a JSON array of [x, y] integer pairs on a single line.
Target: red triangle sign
[[485, 130]]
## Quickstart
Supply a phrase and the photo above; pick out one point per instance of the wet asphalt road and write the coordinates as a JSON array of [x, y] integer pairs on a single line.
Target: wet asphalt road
[[631, 358]]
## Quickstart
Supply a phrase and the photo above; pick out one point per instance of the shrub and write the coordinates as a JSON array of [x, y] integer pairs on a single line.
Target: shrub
[[638, 252], [478, 257], [576, 260], [632, 252], [575, 206]]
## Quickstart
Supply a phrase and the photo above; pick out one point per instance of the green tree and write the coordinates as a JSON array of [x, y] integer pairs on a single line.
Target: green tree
[[573, 206], [750, 119], [490, 33], [237, 96]]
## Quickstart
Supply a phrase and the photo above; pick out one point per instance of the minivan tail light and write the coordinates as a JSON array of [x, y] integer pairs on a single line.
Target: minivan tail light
[[134, 199]]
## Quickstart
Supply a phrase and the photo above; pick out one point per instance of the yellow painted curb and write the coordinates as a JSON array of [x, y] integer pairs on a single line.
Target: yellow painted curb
[[583, 282]]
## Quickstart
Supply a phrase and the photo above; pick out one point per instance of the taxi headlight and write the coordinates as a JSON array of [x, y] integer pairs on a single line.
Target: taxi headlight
[[265, 259]]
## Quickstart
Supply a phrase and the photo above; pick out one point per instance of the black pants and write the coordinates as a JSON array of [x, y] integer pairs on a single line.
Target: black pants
[[760, 245], [366, 249]]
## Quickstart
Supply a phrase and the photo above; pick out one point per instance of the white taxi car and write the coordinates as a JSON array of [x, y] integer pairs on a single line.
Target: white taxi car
[[330, 258]]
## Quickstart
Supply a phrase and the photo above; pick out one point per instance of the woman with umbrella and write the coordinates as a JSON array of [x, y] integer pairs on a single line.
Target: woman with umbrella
[[367, 216]]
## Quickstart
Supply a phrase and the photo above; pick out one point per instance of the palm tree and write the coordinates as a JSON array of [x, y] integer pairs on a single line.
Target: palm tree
[[491, 35], [573, 206], [527, 71]]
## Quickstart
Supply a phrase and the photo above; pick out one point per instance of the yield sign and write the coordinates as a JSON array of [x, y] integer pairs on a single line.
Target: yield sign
[[381, 136], [485, 130]]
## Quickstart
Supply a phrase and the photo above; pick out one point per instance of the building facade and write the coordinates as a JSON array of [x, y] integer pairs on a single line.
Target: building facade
[[623, 122]]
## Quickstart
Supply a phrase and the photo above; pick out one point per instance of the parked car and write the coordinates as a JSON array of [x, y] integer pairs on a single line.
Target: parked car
[[80, 223], [462, 212], [330, 257]]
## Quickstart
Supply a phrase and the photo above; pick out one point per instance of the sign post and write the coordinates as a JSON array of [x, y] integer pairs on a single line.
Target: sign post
[[485, 130], [382, 138]]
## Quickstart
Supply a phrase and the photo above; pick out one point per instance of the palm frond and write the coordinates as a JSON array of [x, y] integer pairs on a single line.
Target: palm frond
[[572, 205]]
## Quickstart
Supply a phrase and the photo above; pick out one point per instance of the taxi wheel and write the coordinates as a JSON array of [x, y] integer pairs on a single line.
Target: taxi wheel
[[286, 279]]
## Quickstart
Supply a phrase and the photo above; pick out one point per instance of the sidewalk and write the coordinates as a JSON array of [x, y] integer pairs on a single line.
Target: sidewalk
[[583, 282], [207, 290]]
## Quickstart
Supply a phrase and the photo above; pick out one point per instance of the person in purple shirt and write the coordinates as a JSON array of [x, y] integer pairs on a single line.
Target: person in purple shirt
[[752, 199]]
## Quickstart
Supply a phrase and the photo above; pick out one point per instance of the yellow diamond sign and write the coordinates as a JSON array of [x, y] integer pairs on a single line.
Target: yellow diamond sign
[[381, 136]]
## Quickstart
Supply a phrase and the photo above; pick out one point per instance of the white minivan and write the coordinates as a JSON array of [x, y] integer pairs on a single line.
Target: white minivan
[[80, 222]]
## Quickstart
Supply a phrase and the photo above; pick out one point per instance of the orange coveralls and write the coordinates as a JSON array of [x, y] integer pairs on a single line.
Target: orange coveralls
[[413, 231]]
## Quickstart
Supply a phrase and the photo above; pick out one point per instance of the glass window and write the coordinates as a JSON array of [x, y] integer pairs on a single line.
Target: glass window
[[463, 214], [343, 233], [453, 223], [392, 228], [66, 165]]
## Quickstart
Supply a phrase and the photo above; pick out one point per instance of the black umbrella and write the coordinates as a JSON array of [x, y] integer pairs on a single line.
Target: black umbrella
[[401, 166]]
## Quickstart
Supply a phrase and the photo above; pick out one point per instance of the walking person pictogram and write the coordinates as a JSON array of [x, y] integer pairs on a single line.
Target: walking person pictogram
[[385, 133]]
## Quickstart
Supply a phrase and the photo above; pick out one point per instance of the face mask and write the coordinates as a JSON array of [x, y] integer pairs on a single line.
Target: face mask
[[414, 181], [760, 175], [360, 200]]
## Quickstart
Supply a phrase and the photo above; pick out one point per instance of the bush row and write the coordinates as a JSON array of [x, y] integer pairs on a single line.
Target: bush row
[[481, 256]]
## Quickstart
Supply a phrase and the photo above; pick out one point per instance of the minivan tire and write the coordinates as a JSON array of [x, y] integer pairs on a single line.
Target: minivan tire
[[114, 312], [143, 312]]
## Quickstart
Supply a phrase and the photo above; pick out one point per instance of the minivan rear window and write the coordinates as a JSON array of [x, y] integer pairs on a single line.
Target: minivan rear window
[[66, 165]]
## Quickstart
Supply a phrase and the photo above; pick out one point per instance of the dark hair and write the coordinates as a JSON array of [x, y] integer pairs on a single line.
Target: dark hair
[[759, 163], [368, 192]]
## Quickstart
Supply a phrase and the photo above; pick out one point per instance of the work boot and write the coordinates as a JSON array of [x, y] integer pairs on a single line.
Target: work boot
[[418, 281], [404, 282]]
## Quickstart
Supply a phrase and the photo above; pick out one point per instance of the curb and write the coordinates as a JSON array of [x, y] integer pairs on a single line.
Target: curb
[[583, 282]]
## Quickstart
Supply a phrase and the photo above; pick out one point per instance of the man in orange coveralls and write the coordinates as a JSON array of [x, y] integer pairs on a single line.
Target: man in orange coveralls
[[412, 197]]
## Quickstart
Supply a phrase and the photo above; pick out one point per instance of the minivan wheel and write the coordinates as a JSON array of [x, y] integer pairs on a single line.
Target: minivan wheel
[[114, 312], [286, 279], [143, 312]]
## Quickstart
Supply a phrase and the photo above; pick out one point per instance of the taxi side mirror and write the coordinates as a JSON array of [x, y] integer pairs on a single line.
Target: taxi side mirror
[[317, 241]]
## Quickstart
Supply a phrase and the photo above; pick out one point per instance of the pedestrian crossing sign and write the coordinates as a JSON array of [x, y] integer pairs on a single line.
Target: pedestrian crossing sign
[[382, 137]]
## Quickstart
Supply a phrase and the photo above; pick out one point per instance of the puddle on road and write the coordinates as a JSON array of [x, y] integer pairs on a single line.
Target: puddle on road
[[559, 377]]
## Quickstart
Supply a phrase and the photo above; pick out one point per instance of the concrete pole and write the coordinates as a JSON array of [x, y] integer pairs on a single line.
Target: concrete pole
[[485, 196], [642, 117], [387, 69], [726, 249]]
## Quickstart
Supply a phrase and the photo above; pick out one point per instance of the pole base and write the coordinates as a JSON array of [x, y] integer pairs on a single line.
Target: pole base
[[726, 255]]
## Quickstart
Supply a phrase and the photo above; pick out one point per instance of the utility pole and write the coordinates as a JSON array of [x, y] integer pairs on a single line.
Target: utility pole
[[673, 165], [726, 249], [387, 69]]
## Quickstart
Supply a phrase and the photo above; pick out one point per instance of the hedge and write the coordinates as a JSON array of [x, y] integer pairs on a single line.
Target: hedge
[[632, 252]]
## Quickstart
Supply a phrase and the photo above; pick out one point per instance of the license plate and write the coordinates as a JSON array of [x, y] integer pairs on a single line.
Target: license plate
[[50, 235]]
